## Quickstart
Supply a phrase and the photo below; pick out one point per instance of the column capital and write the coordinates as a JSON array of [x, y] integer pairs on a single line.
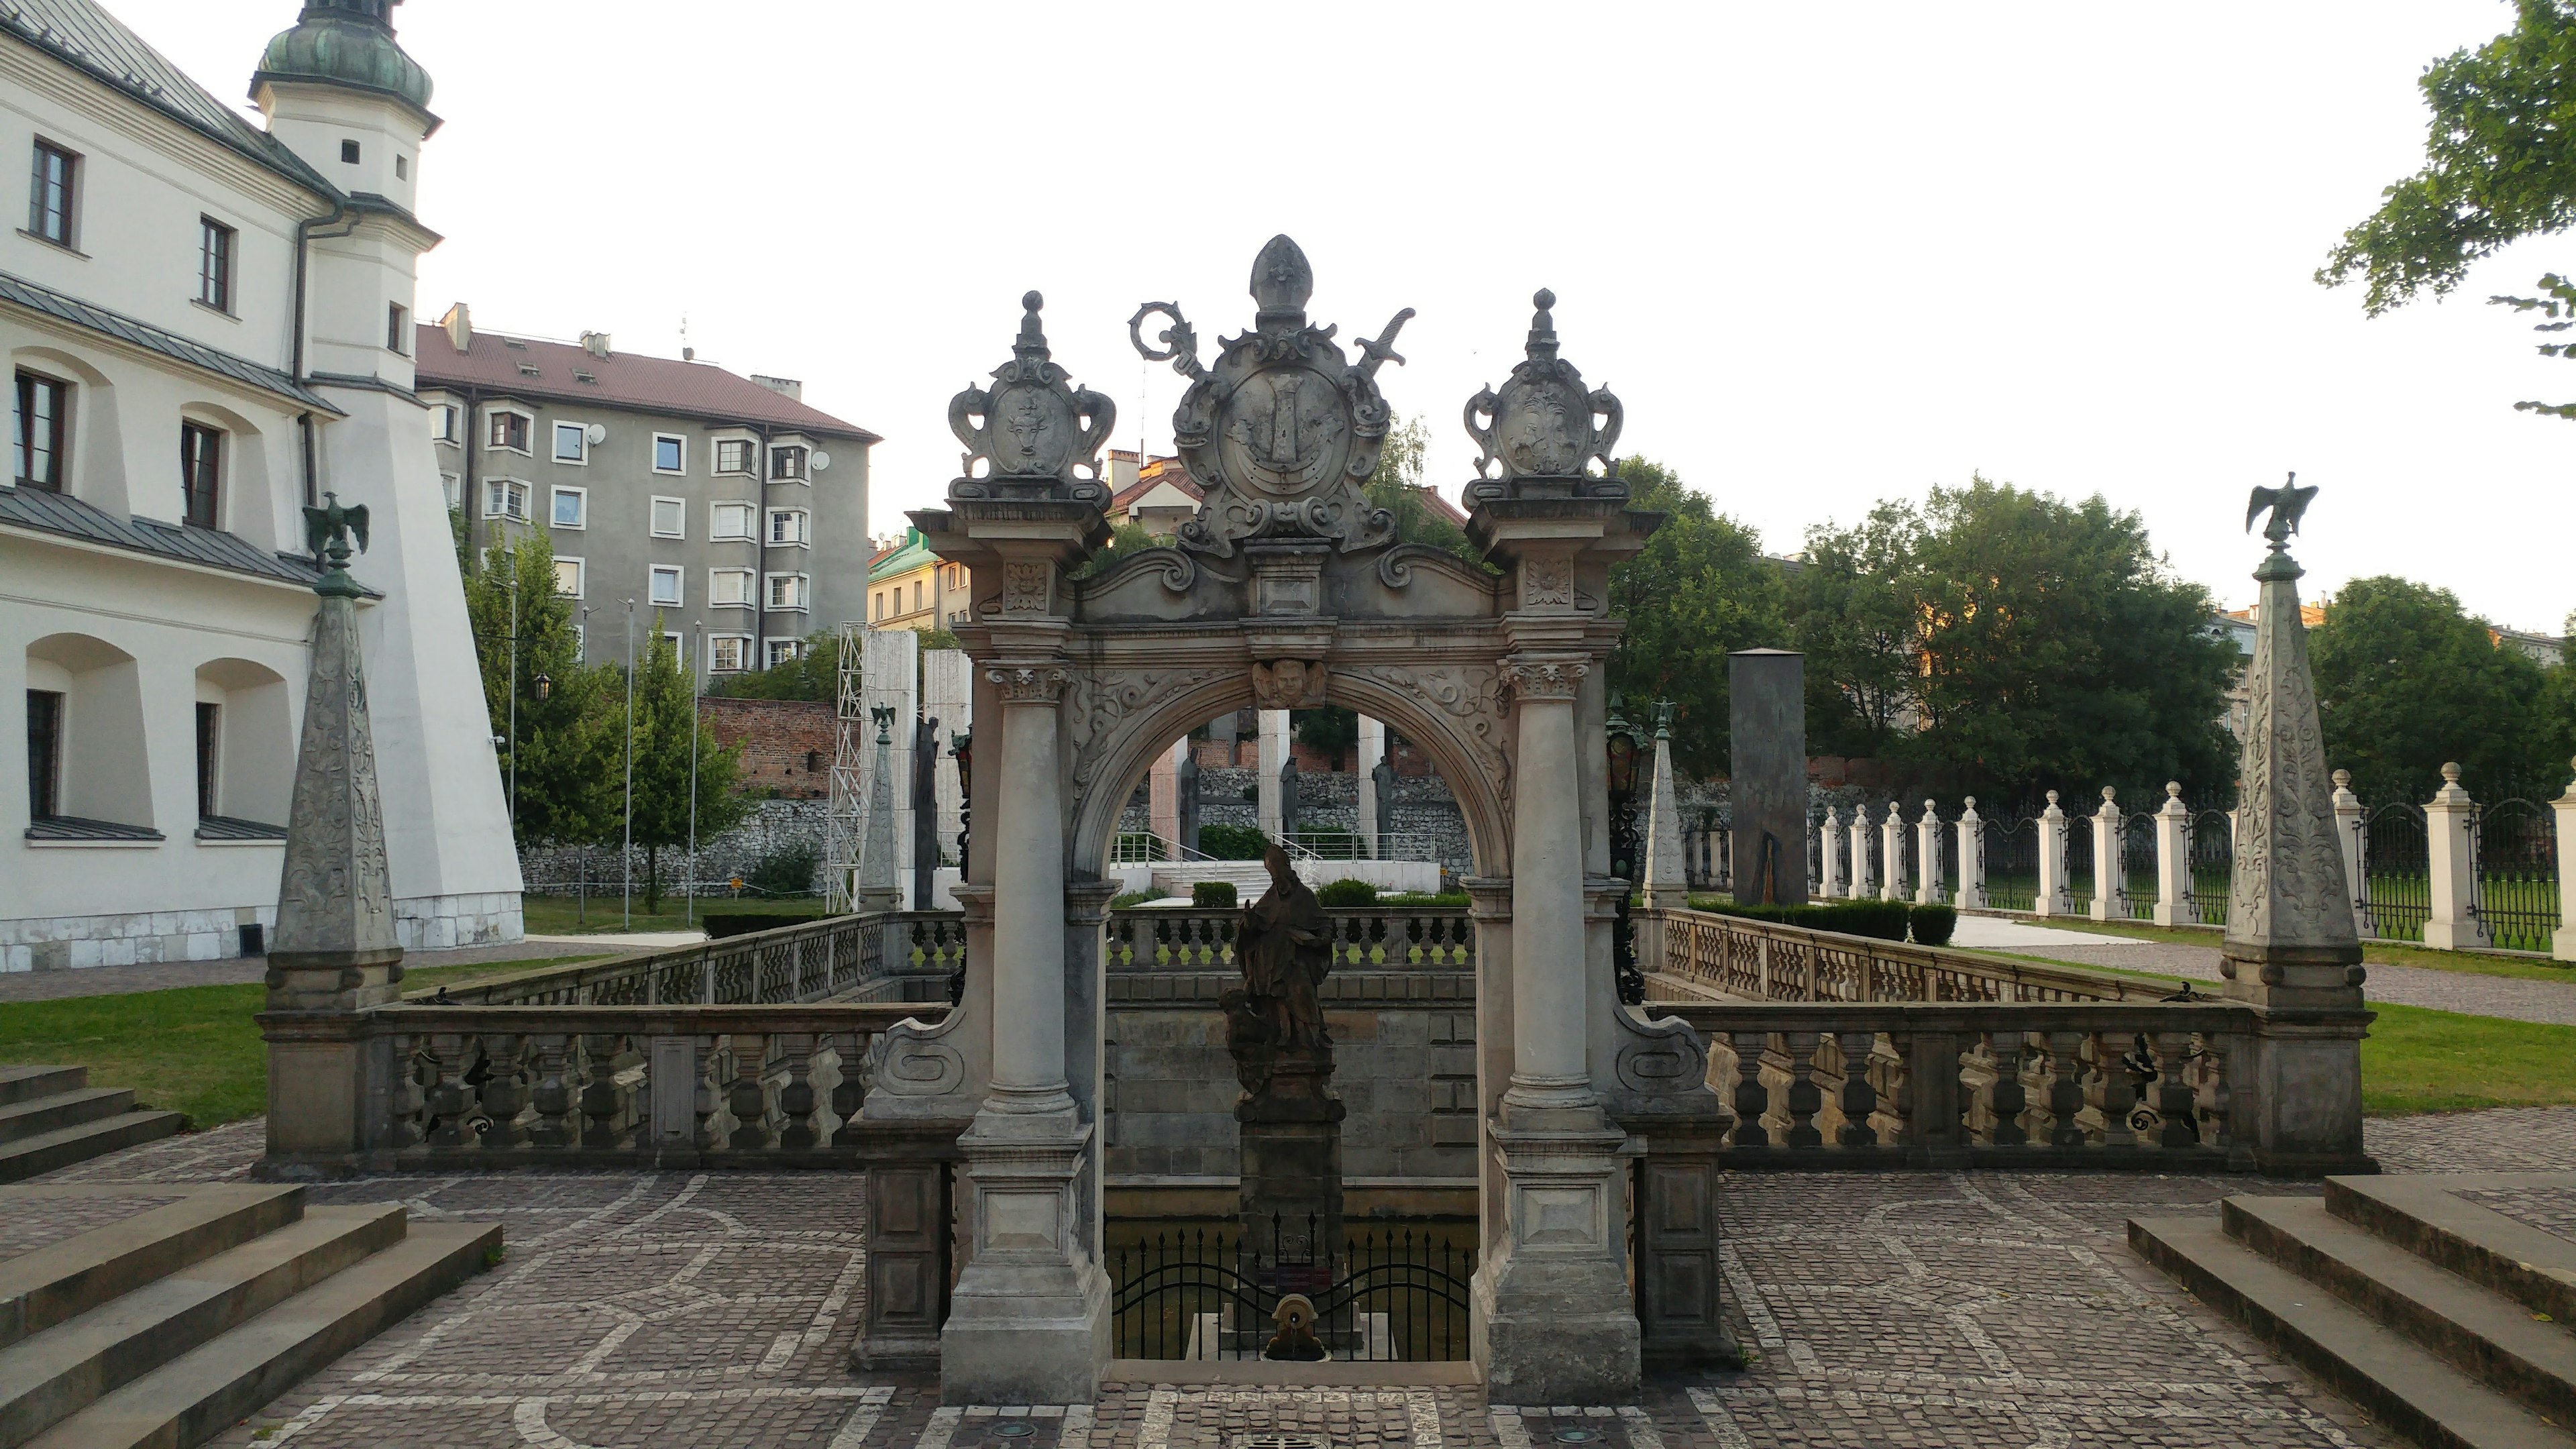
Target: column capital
[[1029, 683], [1545, 676]]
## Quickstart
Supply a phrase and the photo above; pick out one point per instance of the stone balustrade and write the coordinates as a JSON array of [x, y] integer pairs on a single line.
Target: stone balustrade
[[1365, 938], [893, 956], [1713, 956], [2136, 1085]]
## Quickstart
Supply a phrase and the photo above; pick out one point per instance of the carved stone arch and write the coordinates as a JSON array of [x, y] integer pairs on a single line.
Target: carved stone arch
[[1107, 768]]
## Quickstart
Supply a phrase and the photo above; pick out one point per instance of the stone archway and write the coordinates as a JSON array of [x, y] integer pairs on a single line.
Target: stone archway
[[1286, 591]]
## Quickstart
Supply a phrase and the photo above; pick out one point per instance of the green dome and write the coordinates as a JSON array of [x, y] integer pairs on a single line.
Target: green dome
[[347, 43]]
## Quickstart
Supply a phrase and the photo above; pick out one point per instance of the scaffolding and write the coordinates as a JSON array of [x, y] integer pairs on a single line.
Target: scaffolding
[[845, 817]]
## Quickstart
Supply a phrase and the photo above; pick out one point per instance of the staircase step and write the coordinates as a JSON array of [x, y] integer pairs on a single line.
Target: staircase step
[[2399, 1383], [199, 1394], [2533, 1268], [47, 1151], [2483, 1332], [17, 1084], [22, 1120], [66, 1279], [55, 1373]]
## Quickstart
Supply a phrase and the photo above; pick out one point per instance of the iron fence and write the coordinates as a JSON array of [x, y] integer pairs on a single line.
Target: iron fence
[[2012, 864], [2517, 886], [2141, 889], [2080, 884], [1391, 1293], [2396, 872], [2210, 840]]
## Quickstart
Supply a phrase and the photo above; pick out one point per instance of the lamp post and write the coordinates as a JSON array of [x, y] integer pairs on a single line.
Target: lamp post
[[1621, 749], [627, 901], [514, 701], [697, 689], [962, 745]]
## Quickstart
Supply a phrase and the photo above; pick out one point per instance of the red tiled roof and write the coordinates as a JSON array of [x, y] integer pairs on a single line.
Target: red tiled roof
[[1154, 475], [625, 379], [1440, 505]]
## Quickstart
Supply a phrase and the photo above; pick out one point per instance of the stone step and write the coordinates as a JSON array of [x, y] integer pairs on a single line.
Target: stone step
[[61, 1370], [2397, 1381], [17, 1084], [2534, 1268], [66, 1279], [206, 1390], [21, 1120], [47, 1151], [2481, 1331]]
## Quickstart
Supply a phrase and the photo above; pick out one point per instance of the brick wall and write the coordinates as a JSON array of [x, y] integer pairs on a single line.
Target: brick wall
[[786, 743]]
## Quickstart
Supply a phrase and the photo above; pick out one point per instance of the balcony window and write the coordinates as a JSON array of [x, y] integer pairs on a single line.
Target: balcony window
[[733, 455], [724, 653], [505, 498], [787, 527], [510, 430], [729, 521]]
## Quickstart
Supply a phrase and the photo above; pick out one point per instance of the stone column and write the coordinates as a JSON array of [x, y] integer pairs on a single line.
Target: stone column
[[2052, 897], [2350, 817], [1667, 883], [1029, 1322], [1862, 853], [2173, 858], [2451, 844], [2562, 942], [889, 669], [1273, 752], [1972, 858], [1829, 870], [1927, 854], [2290, 949], [2110, 876], [1372, 815], [1163, 792], [1554, 1319], [880, 888], [1891, 850], [335, 954]]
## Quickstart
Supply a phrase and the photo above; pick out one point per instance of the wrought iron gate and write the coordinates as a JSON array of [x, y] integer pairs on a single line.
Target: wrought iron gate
[[1393, 1293]]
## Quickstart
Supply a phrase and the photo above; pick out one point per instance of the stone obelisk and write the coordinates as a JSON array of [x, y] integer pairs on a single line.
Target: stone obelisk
[[335, 953], [2290, 948]]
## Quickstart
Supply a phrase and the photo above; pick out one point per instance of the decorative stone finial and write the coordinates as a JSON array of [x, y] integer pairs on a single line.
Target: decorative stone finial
[[1663, 719], [2052, 797], [1972, 802], [2173, 789], [2109, 794], [1543, 427], [2451, 772], [1039, 434], [1282, 280]]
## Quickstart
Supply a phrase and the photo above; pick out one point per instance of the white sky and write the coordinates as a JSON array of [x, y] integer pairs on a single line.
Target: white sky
[[1826, 254]]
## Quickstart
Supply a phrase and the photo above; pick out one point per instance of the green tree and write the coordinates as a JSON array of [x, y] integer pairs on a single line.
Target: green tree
[[1128, 538], [814, 674], [668, 734], [2407, 680], [1699, 590], [1853, 602], [1398, 488], [566, 743], [2500, 164]]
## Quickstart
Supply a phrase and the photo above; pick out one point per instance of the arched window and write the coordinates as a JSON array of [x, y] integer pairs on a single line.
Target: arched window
[[88, 772]]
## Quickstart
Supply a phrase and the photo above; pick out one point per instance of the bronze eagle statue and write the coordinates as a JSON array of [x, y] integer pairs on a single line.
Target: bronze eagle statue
[[2287, 502], [332, 527]]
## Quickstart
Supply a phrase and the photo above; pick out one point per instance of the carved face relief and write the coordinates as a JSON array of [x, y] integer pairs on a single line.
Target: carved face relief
[[1031, 430], [1288, 684]]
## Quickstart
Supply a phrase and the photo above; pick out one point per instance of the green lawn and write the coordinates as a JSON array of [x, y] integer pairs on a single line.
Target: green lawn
[[2387, 952], [568, 916], [192, 1049]]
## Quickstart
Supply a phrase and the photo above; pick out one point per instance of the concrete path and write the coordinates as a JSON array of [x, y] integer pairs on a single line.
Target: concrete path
[[163, 975], [2512, 997]]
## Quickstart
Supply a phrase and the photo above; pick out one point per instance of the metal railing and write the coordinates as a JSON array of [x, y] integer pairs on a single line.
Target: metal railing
[[1705, 954], [879, 955]]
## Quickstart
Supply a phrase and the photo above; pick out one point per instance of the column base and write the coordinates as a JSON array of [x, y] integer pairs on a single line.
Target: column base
[[1025, 1335], [2562, 944], [2456, 936], [1553, 1318]]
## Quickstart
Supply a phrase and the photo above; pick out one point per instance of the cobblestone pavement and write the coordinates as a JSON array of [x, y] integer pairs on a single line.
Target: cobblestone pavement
[[2512, 997], [32, 1220], [234, 971]]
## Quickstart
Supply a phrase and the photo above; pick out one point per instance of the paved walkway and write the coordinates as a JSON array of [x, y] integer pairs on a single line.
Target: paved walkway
[[717, 1310], [234, 971], [2512, 997]]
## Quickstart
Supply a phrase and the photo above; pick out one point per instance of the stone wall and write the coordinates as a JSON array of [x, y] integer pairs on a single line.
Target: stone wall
[[786, 743], [773, 825]]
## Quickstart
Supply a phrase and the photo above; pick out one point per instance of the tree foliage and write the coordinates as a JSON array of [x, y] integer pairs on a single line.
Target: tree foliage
[[2407, 680], [668, 734], [1699, 590], [814, 674], [2500, 164], [567, 788], [1397, 487]]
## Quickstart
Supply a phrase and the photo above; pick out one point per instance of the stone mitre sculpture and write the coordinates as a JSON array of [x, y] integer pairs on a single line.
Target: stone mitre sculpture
[[1284, 949]]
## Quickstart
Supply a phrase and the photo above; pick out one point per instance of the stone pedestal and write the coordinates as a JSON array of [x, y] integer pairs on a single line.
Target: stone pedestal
[[2110, 871], [1972, 858], [1552, 1313], [1891, 851], [2451, 847], [1290, 1198], [1927, 852], [2562, 942], [2173, 860], [1829, 870], [1029, 1320], [2053, 897]]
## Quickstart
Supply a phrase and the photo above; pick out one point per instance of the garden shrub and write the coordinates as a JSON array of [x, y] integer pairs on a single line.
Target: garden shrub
[[786, 871], [1232, 842], [1212, 894], [1347, 893], [1933, 924], [1134, 898], [1882, 920], [1418, 898]]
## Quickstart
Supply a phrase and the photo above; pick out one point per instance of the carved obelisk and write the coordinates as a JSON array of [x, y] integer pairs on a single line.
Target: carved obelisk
[[2290, 948], [335, 953]]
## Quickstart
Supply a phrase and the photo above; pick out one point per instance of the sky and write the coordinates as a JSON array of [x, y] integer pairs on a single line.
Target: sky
[[1826, 255]]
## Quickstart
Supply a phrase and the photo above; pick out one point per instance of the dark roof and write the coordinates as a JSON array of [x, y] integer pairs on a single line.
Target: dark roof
[[74, 827], [213, 548], [82, 35], [625, 380], [67, 308], [228, 827]]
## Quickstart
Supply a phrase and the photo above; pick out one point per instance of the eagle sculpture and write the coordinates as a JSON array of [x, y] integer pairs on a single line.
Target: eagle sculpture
[[2287, 503], [331, 527]]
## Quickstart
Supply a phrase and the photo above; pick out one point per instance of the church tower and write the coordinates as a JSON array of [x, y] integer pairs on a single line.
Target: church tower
[[338, 90]]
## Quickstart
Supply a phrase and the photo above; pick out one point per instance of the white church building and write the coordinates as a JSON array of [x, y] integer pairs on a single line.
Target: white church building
[[208, 324]]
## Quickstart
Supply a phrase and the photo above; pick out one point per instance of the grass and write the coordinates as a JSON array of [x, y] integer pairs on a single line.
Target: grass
[[192, 1049], [569, 916], [2383, 952]]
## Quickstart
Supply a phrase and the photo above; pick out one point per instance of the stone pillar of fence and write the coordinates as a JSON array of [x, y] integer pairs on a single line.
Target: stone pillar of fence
[[2562, 942], [1373, 812], [1927, 857], [2451, 845], [1861, 854], [2349, 817], [1972, 858], [1269, 758], [2110, 882], [2052, 897], [1891, 850], [1829, 869], [2173, 859]]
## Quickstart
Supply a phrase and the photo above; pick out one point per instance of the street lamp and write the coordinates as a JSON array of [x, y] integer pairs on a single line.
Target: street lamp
[[961, 744], [545, 686], [1621, 752]]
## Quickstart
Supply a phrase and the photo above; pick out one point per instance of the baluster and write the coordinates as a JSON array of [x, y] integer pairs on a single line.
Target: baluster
[[1752, 1098], [2065, 1089], [1805, 1099], [796, 1099], [2114, 1092], [603, 1098], [706, 1099], [2006, 1097], [1860, 1096], [405, 1130], [748, 1098], [707, 979], [505, 1092], [451, 1101], [850, 1094], [1890, 1076], [553, 1096], [2173, 1089]]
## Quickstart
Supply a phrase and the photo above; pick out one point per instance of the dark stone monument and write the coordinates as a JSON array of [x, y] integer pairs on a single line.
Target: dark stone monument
[[1288, 1119], [1768, 693], [1185, 787], [1288, 795], [925, 811]]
